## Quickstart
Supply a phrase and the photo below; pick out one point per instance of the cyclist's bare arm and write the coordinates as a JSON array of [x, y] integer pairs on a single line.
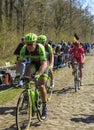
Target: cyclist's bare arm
[[51, 60]]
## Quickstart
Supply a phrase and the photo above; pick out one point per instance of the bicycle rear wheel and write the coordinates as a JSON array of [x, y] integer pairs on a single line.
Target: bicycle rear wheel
[[23, 111], [49, 89]]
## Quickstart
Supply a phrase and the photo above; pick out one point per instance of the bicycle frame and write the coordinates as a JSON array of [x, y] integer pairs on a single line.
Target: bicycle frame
[[32, 93]]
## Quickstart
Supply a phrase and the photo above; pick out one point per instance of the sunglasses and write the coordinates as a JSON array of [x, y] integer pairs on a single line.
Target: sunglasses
[[29, 44]]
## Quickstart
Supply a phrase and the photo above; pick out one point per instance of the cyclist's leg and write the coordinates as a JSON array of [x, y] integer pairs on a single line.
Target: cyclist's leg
[[72, 66], [42, 83], [42, 88], [17, 77], [73, 60], [52, 77], [18, 67]]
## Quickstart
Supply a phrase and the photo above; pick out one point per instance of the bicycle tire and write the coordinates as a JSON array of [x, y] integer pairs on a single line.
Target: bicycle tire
[[76, 81], [49, 89], [76, 85], [23, 111], [39, 106]]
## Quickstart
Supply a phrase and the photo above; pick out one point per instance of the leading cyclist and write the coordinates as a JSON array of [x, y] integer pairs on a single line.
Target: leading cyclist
[[77, 53], [38, 66]]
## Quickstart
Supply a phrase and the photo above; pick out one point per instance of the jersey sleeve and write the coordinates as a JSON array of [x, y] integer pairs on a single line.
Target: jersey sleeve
[[50, 49], [42, 52]]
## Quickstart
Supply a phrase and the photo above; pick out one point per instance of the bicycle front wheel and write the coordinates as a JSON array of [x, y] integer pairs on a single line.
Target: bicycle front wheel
[[23, 111], [39, 106], [76, 85]]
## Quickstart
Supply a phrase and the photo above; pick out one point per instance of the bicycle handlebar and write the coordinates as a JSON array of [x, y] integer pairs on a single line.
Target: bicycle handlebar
[[27, 79]]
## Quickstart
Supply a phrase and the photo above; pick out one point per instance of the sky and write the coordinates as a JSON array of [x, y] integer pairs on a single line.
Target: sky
[[89, 3], [85, 3]]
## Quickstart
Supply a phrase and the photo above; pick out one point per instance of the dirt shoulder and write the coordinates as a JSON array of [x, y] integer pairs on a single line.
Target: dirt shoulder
[[67, 110]]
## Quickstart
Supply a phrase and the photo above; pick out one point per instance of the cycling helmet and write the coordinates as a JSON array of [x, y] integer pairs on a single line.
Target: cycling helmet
[[30, 38], [41, 39]]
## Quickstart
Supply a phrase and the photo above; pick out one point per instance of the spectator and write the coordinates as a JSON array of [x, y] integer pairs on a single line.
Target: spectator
[[66, 52], [50, 42], [20, 45], [58, 56], [54, 47]]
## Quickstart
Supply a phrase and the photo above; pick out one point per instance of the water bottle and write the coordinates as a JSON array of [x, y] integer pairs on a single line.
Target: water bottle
[[22, 70]]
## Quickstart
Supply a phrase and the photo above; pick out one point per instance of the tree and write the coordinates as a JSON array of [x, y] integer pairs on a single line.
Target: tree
[[1, 15]]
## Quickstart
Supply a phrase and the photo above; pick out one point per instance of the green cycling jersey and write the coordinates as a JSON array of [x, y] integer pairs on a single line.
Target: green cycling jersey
[[48, 48], [36, 56]]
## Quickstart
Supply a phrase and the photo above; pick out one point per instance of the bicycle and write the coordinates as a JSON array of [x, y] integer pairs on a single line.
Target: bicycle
[[76, 76], [29, 103]]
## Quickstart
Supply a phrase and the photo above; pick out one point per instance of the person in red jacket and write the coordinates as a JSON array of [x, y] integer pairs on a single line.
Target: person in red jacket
[[77, 53]]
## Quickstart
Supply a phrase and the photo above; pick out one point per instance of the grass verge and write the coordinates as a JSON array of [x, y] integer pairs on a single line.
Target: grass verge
[[9, 95]]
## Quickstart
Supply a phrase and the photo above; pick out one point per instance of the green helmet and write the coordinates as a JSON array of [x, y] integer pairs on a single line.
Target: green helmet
[[30, 38], [42, 39]]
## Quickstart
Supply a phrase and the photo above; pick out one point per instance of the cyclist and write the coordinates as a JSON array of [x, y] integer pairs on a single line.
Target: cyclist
[[36, 52], [50, 57], [77, 53]]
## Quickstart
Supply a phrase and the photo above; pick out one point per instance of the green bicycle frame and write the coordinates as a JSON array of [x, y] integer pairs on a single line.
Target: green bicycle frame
[[33, 95]]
